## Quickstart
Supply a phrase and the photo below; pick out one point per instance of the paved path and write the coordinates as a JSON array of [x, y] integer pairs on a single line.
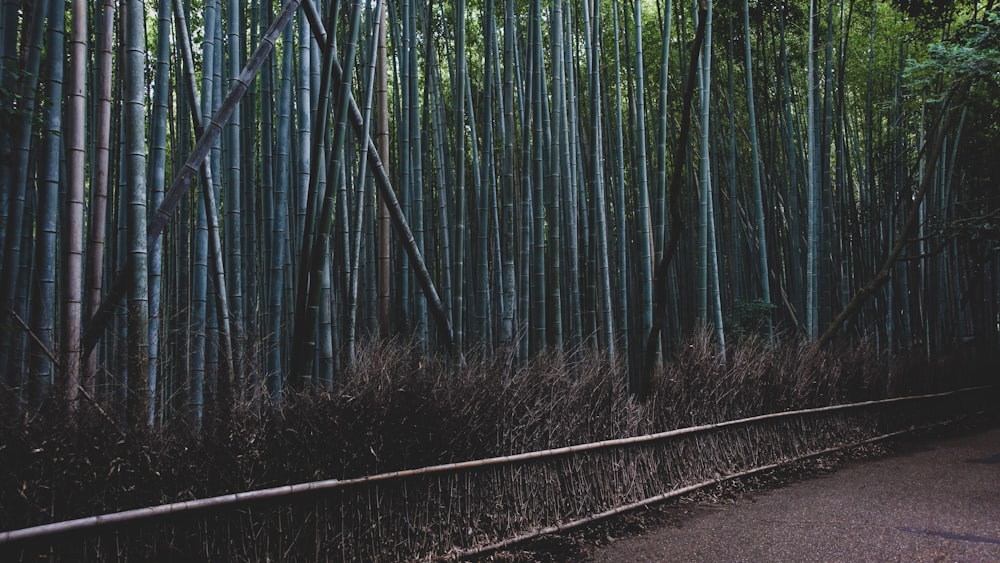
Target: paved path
[[932, 502]]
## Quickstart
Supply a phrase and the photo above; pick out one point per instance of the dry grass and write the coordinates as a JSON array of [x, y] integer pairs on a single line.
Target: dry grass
[[398, 410]]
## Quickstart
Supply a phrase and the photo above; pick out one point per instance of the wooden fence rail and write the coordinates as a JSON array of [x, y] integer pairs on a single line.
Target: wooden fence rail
[[464, 509]]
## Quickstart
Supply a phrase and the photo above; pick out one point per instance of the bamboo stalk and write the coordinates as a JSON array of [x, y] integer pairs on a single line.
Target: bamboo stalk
[[97, 324], [387, 192], [676, 215], [932, 147]]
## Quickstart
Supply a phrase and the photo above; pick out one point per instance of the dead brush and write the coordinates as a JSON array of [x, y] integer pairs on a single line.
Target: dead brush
[[395, 409]]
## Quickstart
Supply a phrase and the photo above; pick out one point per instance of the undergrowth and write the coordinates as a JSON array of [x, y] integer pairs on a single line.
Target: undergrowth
[[396, 410]]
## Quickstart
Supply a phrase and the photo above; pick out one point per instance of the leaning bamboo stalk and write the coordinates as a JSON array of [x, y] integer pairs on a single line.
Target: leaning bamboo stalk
[[932, 147], [243, 498], [211, 209], [387, 192], [182, 181], [677, 224], [97, 324]]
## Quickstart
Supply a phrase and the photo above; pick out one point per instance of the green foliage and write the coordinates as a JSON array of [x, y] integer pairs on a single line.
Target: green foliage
[[928, 12], [983, 230], [750, 317], [974, 56], [18, 100]]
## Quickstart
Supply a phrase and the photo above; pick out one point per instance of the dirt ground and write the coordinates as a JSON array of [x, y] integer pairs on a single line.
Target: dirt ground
[[928, 499]]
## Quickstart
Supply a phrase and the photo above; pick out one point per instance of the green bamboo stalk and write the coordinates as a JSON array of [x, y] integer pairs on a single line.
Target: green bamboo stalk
[[620, 264], [659, 212], [676, 215], [279, 233], [42, 311], [232, 175], [445, 204], [303, 123], [182, 180], [304, 175], [262, 249], [404, 153], [157, 178], [737, 271], [321, 314], [375, 20], [709, 264], [758, 191], [794, 275], [487, 183], [812, 187], [416, 169], [507, 180], [556, 169], [525, 316], [606, 319], [135, 159], [537, 323], [478, 283], [644, 229], [574, 182], [827, 227], [459, 82], [10, 303], [383, 259], [9, 16]]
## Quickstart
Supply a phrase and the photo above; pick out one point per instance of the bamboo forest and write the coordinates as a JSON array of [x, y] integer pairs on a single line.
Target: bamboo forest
[[318, 280], [215, 200]]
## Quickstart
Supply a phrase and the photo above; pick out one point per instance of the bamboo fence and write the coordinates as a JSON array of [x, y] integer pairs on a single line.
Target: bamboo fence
[[466, 509]]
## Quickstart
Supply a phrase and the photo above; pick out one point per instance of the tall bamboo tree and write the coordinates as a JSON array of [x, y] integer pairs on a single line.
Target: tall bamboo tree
[[12, 285], [75, 188], [644, 234], [48, 181], [812, 186], [156, 181], [758, 192], [458, 86], [98, 208], [606, 324], [135, 153]]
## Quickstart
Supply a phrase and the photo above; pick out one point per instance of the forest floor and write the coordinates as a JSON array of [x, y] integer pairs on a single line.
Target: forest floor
[[927, 499]]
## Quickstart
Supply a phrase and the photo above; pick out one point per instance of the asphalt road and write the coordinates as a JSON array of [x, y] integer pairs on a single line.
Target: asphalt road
[[937, 501]]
